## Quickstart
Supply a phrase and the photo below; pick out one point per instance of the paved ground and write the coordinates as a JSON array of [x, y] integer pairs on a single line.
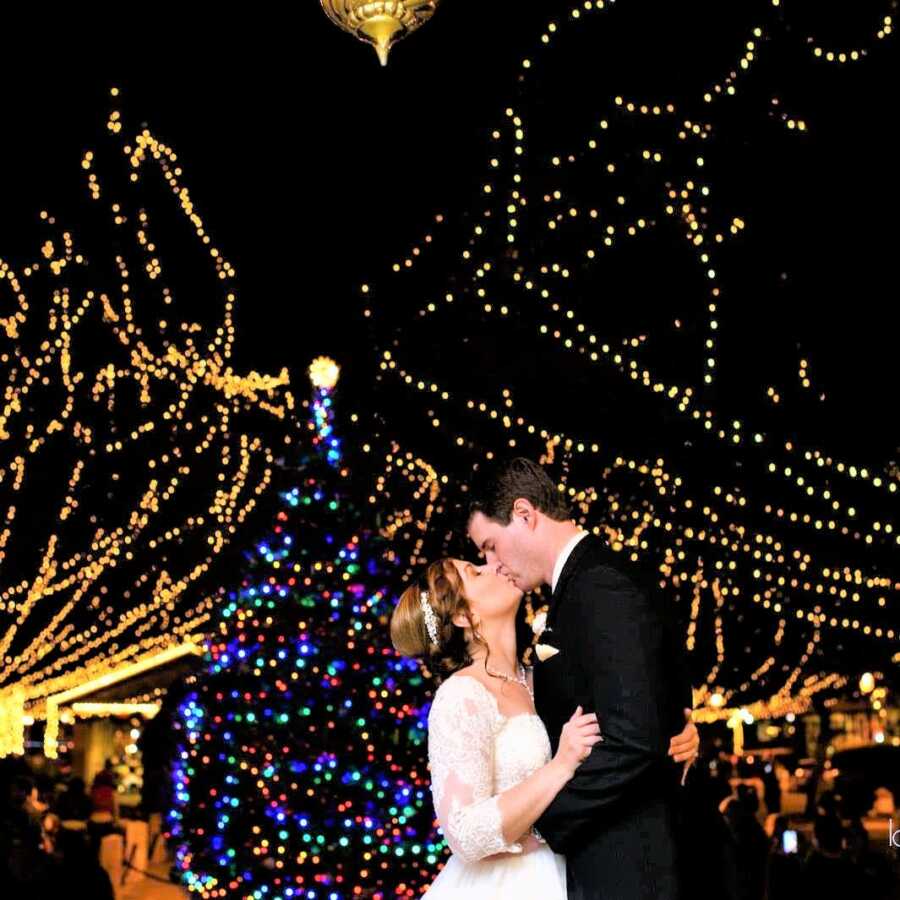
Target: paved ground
[[150, 889]]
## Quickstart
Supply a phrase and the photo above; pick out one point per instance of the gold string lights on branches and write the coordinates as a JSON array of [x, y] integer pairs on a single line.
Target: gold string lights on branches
[[130, 449], [779, 551]]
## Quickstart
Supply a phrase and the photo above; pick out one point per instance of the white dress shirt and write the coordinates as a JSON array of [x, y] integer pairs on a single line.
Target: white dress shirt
[[564, 554]]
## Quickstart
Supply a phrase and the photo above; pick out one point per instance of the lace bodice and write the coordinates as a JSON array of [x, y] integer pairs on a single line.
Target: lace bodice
[[475, 753]]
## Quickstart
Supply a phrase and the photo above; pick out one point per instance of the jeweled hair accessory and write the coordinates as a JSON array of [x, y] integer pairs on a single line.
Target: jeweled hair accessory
[[431, 622]]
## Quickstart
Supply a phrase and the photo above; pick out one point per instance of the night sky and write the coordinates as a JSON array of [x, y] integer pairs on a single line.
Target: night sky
[[314, 167]]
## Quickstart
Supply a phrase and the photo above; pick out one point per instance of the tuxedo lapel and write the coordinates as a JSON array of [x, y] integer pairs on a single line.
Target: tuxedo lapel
[[589, 545]]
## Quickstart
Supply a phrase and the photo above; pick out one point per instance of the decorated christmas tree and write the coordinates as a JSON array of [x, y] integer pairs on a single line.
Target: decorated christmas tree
[[301, 769]]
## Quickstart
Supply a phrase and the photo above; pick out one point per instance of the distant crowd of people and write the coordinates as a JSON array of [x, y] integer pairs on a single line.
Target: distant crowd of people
[[737, 859], [50, 832], [51, 829]]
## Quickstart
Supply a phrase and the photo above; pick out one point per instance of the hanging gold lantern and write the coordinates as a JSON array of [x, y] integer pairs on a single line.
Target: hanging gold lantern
[[380, 22]]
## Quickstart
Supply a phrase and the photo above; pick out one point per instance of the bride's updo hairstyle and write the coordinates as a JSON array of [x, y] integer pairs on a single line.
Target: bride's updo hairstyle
[[409, 631]]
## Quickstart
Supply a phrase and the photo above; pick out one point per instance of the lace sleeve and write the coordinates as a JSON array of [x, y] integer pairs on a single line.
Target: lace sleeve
[[461, 756]]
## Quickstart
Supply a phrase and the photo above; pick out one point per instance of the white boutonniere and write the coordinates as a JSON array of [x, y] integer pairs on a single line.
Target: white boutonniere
[[545, 651], [539, 626]]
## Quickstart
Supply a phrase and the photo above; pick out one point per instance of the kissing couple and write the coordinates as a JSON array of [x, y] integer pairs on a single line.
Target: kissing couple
[[559, 780]]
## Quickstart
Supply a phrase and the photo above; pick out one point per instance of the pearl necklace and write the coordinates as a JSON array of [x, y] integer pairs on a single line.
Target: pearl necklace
[[521, 679]]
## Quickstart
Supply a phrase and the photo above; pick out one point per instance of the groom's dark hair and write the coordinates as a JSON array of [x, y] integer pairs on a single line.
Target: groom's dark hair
[[496, 486]]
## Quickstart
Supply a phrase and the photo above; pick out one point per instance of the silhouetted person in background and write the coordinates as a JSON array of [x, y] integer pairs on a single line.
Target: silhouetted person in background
[[771, 788], [77, 869], [827, 872], [709, 857], [26, 868], [104, 807], [74, 803], [785, 872], [827, 805], [752, 845], [873, 869]]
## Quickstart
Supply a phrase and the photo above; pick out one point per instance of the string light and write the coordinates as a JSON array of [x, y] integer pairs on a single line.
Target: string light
[[733, 553], [819, 52], [103, 676], [90, 710], [132, 451]]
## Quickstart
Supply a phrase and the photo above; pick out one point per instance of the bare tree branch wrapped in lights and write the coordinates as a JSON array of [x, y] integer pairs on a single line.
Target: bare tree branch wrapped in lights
[[781, 554], [130, 450]]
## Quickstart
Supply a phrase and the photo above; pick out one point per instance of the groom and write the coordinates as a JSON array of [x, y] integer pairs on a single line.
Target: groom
[[609, 646]]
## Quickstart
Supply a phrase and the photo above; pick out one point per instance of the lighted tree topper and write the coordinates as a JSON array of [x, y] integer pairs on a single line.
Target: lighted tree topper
[[130, 450], [302, 763]]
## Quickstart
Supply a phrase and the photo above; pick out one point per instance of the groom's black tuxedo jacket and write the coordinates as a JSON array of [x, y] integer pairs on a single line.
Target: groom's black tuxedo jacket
[[616, 819]]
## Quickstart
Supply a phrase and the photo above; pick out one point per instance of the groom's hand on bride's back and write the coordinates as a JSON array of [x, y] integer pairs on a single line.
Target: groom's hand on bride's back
[[685, 745], [577, 738]]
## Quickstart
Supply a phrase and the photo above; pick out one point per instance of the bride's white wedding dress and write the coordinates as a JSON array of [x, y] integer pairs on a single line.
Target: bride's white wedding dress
[[476, 753]]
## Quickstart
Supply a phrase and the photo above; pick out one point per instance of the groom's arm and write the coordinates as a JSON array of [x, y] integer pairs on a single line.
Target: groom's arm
[[621, 649]]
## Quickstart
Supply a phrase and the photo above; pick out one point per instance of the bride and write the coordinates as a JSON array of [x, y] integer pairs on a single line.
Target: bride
[[492, 774]]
